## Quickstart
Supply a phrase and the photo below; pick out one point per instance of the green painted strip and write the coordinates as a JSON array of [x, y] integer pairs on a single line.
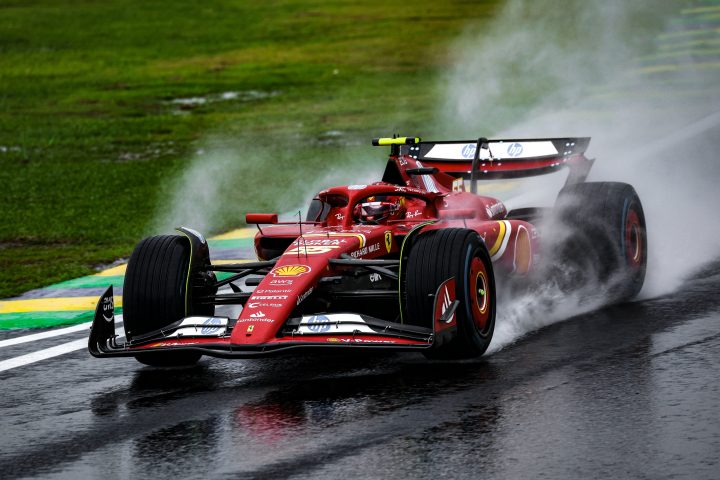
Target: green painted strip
[[223, 275], [231, 243], [92, 281], [10, 321]]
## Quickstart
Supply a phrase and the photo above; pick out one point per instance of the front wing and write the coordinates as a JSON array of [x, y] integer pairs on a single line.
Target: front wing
[[212, 335]]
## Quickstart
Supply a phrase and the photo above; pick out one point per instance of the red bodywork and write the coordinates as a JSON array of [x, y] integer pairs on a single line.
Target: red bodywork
[[432, 200]]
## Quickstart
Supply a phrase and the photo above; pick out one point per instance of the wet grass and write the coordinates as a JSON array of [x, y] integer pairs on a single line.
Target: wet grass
[[105, 107], [103, 103]]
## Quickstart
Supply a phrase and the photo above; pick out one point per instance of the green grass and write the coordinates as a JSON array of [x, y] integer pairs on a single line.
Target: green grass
[[99, 138], [91, 142]]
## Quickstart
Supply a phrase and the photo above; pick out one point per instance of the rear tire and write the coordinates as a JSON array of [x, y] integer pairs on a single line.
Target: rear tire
[[457, 253], [608, 238], [155, 293]]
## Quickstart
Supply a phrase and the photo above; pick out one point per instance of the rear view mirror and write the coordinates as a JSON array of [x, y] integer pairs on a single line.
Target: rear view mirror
[[257, 218]]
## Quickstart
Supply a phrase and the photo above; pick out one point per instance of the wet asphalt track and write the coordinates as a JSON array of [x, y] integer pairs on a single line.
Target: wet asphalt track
[[630, 391]]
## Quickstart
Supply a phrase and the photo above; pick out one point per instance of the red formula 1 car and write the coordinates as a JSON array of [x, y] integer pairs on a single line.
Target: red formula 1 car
[[411, 262]]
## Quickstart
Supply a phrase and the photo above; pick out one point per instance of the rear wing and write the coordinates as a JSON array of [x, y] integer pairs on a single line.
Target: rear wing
[[507, 158]]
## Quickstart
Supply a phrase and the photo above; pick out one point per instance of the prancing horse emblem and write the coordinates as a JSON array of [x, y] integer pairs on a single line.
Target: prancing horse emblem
[[388, 241]]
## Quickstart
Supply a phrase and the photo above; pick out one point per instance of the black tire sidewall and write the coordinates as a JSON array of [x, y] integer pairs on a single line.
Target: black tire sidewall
[[467, 328], [436, 256], [596, 213], [155, 285]]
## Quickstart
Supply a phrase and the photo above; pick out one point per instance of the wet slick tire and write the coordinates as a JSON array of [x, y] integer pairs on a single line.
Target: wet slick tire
[[457, 253], [607, 219], [154, 293]]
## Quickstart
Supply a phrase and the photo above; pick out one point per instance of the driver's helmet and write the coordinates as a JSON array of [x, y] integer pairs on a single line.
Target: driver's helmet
[[380, 209]]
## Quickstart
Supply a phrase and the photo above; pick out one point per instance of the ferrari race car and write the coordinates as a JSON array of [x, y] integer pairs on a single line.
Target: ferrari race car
[[412, 262]]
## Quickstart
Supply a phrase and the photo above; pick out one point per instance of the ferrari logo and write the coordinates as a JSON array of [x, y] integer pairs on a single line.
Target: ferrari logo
[[388, 241], [250, 328]]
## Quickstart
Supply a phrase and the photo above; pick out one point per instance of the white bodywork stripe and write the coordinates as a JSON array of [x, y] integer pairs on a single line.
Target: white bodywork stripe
[[428, 181], [500, 150], [505, 240]]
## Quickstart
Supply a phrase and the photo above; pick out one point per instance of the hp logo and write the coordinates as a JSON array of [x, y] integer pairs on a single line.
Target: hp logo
[[316, 324], [468, 150], [514, 150]]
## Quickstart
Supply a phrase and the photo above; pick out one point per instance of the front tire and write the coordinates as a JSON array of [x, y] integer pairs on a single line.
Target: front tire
[[155, 293], [457, 253]]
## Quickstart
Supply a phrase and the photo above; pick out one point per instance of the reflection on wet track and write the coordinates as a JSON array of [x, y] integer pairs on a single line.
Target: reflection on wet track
[[627, 391]]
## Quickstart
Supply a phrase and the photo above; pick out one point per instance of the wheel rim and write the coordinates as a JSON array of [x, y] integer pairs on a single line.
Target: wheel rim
[[480, 295], [633, 239]]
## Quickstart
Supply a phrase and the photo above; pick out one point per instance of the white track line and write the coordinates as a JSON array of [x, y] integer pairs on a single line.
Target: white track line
[[48, 334], [55, 351], [43, 354]]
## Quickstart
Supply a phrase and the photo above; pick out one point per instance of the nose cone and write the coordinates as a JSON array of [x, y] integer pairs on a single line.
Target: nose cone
[[289, 283]]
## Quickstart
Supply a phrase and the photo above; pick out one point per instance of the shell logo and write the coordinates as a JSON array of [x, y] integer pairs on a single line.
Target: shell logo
[[290, 270]]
